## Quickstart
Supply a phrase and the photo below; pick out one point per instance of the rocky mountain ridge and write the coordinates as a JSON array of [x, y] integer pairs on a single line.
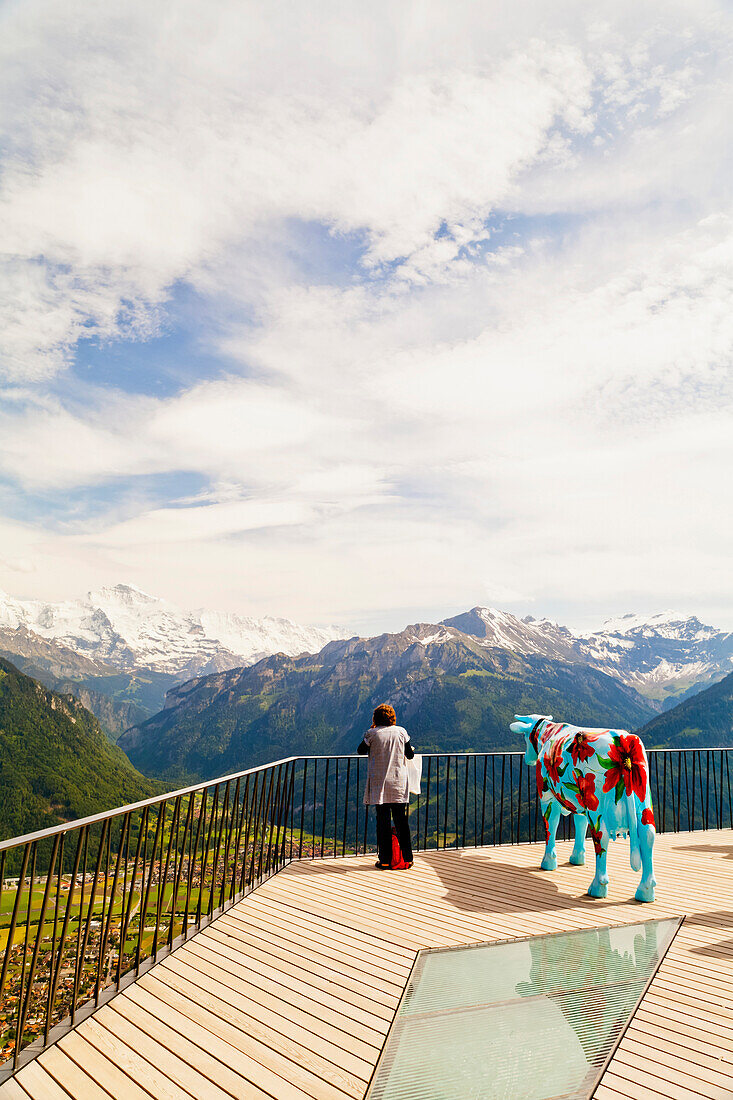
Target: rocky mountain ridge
[[666, 656], [703, 721], [451, 691], [120, 650]]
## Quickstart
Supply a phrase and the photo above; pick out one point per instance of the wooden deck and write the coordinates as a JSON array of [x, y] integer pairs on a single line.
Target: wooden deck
[[291, 993]]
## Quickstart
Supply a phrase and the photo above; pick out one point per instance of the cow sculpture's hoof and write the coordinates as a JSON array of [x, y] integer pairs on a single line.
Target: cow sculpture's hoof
[[645, 891], [598, 889], [577, 859], [549, 863]]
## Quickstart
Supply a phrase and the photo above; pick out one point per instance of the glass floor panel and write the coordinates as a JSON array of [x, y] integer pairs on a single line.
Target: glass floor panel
[[532, 1019]]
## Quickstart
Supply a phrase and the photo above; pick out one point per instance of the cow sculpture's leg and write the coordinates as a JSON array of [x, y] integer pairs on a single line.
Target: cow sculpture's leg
[[577, 856], [552, 818], [645, 889], [599, 886]]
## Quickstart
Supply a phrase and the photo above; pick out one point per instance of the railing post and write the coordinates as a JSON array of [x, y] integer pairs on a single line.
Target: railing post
[[23, 1016], [325, 806], [20, 1020]]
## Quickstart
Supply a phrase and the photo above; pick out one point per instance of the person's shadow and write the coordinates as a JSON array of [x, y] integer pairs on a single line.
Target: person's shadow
[[475, 880]]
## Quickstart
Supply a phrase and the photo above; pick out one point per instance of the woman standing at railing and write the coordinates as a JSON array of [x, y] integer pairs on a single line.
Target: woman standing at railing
[[387, 788]]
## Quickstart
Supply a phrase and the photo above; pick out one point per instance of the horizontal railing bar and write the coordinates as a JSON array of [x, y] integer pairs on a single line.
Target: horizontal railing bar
[[68, 826], [494, 752]]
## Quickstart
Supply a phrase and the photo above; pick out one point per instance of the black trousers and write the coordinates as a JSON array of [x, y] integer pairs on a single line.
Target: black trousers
[[397, 812]]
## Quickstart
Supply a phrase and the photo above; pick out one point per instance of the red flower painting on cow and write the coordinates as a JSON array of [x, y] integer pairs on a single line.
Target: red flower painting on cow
[[587, 796], [626, 766], [581, 747], [647, 817], [566, 803], [596, 836], [554, 761]]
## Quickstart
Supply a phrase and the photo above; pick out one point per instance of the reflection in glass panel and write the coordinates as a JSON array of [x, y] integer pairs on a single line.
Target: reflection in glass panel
[[528, 1020]]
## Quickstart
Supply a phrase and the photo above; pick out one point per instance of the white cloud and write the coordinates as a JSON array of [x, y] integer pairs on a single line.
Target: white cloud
[[544, 414], [135, 160], [222, 429]]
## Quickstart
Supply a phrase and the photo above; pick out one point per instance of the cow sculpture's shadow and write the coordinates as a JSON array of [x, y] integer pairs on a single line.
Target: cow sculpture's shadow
[[482, 883], [723, 850]]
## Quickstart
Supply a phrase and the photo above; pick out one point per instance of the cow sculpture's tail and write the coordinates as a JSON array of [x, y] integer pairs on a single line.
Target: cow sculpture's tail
[[634, 850]]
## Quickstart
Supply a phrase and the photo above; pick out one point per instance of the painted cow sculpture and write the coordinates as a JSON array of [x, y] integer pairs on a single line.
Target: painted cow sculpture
[[600, 776]]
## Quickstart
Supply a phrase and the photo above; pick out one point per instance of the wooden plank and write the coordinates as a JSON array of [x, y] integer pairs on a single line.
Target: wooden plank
[[268, 1046], [668, 1066], [283, 1032], [158, 1055], [105, 1071], [375, 1015], [315, 1053], [124, 1057], [280, 953], [326, 964], [73, 1079], [291, 992], [11, 1090], [644, 1085], [654, 1021], [211, 1054], [286, 975], [331, 942], [39, 1084], [270, 912], [269, 1071], [280, 1002]]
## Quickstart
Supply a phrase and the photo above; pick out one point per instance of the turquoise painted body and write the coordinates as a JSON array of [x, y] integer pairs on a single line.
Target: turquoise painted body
[[601, 776]]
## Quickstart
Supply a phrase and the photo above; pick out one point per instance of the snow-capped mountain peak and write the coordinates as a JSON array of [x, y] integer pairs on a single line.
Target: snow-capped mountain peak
[[665, 624], [127, 628], [502, 630], [126, 594]]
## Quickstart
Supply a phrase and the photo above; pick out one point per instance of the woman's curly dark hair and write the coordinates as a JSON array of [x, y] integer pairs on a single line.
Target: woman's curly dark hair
[[384, 715]]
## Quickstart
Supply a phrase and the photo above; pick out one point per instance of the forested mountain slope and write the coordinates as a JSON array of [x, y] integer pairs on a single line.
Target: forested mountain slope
[[56, 763], [703, 721]]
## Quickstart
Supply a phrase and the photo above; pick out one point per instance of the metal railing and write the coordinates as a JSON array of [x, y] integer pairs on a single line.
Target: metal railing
[[477, 799], [87, 907]]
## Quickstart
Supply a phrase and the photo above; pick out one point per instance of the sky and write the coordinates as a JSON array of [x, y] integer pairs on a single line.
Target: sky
[[368, 313]]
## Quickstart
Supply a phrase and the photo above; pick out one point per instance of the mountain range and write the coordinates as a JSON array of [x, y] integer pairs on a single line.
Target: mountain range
[[124, 628], [127, 655], [452, 690], [666, 656]]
